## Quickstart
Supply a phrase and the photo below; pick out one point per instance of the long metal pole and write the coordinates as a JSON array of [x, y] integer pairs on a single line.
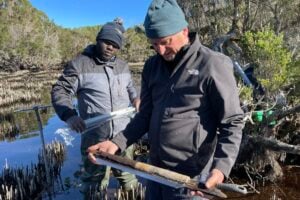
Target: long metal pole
[[46, 163]]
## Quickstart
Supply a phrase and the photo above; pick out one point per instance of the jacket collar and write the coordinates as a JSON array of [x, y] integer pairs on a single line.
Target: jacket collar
[[112, 62], [195, 45], [186, 52]]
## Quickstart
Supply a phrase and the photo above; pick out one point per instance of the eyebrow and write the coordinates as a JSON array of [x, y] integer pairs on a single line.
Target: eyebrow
[[111, 43], [163, 42]]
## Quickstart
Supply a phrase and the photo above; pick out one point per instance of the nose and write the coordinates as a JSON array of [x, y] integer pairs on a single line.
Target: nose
[[110, 46], [161, 49]]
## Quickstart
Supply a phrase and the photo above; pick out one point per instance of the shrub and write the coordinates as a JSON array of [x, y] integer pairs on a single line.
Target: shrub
[[266, 50]]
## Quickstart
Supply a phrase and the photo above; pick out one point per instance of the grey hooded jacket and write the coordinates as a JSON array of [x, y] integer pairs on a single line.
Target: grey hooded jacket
[[100, 87], [192, 116]]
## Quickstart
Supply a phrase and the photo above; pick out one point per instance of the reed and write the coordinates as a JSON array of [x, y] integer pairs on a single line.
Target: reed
[[135, 193], [24, 86], [29, 182], [9, 129], [23, 89]]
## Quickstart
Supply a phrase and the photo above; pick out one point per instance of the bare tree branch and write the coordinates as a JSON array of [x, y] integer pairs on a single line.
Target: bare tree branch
[[275, 145], [279, 114]]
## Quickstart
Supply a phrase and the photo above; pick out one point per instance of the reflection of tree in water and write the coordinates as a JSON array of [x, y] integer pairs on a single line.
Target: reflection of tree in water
[[20, 90], [17, 124], [30, 182]]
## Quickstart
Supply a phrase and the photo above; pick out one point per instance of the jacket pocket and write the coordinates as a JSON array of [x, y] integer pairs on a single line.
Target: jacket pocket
[[197, 139], [122, 83], [179, 140]]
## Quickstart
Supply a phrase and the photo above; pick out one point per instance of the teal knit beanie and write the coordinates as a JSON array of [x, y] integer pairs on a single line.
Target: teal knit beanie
[[164, 18]]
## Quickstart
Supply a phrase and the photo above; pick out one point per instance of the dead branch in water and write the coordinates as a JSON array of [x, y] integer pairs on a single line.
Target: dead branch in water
[[275, 145], [279, 114], [269, 141]]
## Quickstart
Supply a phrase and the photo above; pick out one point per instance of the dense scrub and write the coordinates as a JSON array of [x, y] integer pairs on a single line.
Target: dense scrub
[[30, 40]]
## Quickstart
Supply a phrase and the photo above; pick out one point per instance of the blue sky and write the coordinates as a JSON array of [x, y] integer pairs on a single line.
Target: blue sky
[[78, 13]]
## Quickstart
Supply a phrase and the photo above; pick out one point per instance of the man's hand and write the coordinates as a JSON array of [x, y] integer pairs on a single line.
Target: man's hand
[[136, 103], [106, 146], [215, 177], [76, 123]]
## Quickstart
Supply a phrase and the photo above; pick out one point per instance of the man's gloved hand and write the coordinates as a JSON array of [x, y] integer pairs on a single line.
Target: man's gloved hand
[[76, 123]]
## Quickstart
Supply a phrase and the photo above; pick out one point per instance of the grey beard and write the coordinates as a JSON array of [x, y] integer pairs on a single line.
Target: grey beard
[[170, 58]]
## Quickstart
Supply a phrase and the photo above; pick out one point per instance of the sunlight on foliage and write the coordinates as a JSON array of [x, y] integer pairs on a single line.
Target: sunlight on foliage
[[272, 59], [245, 94]]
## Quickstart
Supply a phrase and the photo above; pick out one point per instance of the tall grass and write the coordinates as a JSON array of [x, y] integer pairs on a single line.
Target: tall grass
[[22, 89]]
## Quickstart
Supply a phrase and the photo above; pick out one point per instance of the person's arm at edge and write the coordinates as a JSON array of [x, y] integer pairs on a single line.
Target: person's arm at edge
[[227, 106], [61, 96]]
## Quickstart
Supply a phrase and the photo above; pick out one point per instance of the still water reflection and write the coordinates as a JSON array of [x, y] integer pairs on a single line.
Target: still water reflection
[[24, 150]]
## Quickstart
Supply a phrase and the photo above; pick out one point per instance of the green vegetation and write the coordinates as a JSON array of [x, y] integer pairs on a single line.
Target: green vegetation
[[264, 34], [30, 40], [267, 51], [136, 48]]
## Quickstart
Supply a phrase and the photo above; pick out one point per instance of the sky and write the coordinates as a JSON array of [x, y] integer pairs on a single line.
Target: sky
[[78, 13]]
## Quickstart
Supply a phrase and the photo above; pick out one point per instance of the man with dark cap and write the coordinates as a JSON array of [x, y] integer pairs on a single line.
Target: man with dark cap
[[189, 106], [102, 83]]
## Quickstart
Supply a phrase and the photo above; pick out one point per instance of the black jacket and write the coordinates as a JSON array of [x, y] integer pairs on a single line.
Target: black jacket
[[192, 116]]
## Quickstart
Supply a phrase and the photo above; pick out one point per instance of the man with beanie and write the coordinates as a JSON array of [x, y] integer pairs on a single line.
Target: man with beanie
[[102, 83], [189, 106]]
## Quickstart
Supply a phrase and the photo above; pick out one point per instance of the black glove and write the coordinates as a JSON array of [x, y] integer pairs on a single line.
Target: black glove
[[76, 123]]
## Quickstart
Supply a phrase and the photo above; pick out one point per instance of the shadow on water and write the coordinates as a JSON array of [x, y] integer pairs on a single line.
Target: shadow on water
[[21, 147]]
